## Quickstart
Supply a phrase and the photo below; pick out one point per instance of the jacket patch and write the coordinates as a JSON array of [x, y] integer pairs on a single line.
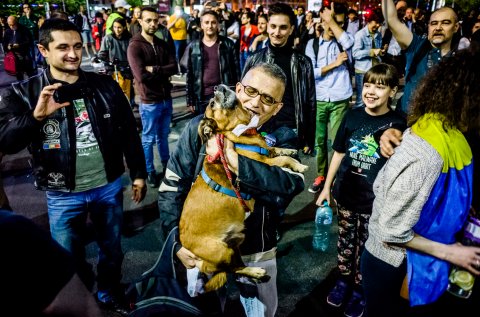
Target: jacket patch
[[51, 130], [56, 179]]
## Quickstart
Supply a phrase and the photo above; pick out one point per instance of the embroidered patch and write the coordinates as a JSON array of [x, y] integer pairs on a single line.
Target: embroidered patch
[[56, 179], [51, 129]]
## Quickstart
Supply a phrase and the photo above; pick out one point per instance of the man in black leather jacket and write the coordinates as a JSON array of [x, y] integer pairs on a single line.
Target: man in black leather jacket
[[272, 187], [78, 145], [212, 60], [299, 110]]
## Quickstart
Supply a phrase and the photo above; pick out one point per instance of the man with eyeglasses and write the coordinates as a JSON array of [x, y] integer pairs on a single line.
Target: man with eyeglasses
[[332, 82], [273, 188], [421, 53], [298, 112]]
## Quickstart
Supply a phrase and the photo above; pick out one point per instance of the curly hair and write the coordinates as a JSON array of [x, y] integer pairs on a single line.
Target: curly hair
[[451, 89]]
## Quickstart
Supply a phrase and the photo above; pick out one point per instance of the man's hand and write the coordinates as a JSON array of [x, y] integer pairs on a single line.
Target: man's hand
[[138, 190], [191, 108], [327, 14], [231, 155], [46, 105], [390, 139], [375, 52], [187, 258], [341, 58]]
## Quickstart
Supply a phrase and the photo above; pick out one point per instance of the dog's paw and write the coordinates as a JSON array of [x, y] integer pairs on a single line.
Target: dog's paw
[[253, 272], [255, 275], [283, 152], [300, 168]]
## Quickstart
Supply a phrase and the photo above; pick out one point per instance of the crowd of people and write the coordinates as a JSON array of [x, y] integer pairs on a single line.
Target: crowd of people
[[400, 172]]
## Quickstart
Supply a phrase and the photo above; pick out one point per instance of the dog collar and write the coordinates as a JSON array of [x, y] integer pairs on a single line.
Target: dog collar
[[252, 148], [219, 188]]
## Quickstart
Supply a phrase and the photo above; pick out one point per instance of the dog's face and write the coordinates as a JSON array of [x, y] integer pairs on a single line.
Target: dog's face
[[223, 113]]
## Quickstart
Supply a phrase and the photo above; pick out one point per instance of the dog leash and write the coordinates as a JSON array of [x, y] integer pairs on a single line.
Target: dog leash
[[220, 144]]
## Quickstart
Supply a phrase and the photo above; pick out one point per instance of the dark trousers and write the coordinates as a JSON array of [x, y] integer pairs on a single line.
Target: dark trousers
[[381, 286]]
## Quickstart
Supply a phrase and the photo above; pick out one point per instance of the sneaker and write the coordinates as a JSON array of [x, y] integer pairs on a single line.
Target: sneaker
[[337, 294], [355, 306], [152, 179], [110, 303], [317, 185]]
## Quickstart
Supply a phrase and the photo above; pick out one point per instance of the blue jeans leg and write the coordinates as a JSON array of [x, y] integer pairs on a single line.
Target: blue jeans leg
[[156, 120], [67, 217], [67, 214], [359, 88], [106, 213]]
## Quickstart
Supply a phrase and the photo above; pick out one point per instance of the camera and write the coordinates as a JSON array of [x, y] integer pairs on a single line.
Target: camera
[[70, 92]]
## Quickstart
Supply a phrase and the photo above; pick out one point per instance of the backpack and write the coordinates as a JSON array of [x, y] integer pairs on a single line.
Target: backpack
[[158, 292], [10, 63], [316, 43]]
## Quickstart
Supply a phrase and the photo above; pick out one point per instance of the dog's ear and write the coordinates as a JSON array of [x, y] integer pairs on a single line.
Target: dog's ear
[[206, 129]]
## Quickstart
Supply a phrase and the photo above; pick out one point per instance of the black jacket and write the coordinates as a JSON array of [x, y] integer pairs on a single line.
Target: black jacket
[[229, 68], [273, 188], [303, 91], [112, 122]]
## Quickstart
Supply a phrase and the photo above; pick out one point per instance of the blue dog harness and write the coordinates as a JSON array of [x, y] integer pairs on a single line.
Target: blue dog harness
[[219, 188]]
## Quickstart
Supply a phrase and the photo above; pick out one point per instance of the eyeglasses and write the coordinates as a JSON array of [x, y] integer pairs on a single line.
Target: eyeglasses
[[264, 98]]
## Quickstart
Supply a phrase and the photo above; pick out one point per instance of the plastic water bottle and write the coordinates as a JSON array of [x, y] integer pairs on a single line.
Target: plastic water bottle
[[323, 221]]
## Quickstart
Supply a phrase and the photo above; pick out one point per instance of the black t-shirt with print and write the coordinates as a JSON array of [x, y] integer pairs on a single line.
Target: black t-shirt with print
[[357, 137]]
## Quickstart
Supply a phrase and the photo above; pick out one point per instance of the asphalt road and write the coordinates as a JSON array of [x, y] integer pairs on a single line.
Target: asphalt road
[[300, 268]]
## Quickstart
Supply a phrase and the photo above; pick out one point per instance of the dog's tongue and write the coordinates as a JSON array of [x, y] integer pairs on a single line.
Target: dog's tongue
[[241, 128]]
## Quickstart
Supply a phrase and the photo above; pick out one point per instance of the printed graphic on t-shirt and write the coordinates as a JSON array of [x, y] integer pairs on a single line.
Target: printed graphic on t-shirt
[[86, 141], [89, 169], [363, 153]]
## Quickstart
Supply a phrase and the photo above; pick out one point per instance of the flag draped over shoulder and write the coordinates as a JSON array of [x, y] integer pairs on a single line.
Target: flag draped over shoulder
[[446, 210]]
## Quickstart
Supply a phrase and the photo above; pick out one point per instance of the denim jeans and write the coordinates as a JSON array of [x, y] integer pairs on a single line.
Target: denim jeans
[[359, 88], [180, 46], [67, 214], [333, 113], [156, 120]]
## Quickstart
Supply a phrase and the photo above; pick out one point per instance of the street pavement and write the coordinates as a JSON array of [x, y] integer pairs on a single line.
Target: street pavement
[[303, 274]]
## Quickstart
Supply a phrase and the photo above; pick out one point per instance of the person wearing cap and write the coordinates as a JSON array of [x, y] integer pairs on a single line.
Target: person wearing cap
[[121, 7]]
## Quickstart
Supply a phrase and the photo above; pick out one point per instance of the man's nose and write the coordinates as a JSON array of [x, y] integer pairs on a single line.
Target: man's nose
[[71, 53], [255, 101]]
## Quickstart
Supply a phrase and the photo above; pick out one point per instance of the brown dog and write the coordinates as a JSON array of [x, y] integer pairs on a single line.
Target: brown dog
[[211, 225]]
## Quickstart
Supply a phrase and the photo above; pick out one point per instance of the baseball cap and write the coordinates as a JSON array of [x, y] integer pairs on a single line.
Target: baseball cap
[[122, 4]]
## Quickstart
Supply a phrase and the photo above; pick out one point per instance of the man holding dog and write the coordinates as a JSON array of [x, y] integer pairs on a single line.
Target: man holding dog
[[260, 92], [80, 128]]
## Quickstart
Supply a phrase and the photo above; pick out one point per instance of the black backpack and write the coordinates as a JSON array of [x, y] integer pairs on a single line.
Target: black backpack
[[158, 292], [316, 43]]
